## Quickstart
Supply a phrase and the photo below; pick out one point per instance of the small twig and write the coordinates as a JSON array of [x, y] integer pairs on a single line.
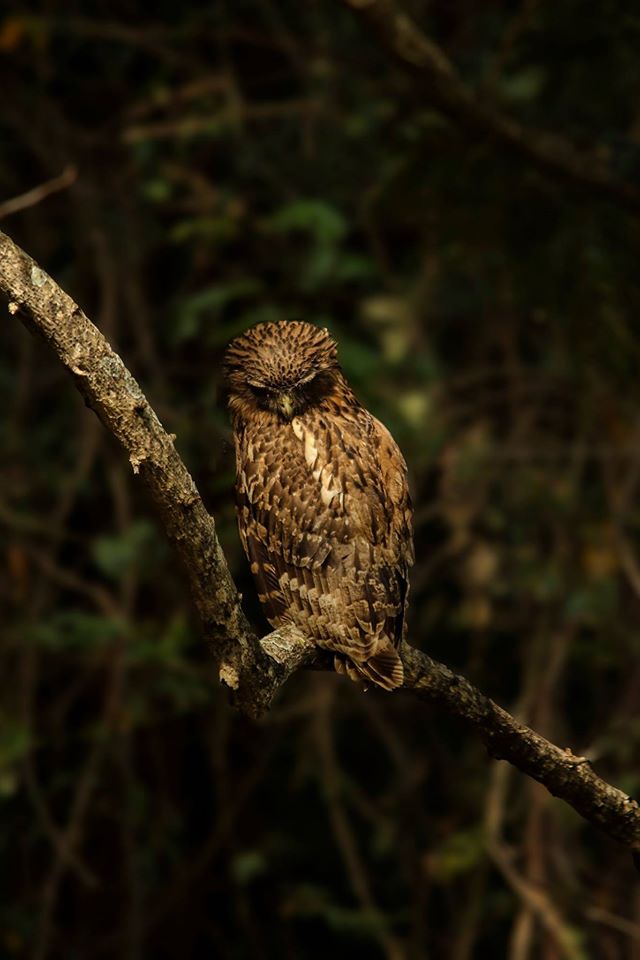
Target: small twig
[[344, 835], [71, 834], [538, 902], [34, 196], [440, 81], [230, 113], [611, 920], [57, 835], [102, 598], [516, 25]]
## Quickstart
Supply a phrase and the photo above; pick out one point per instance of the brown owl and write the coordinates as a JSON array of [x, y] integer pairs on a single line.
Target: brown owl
[[322, 497]]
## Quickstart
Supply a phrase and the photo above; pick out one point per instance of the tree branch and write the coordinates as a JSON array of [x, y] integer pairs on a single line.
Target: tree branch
[[254, 669], [437, 76], [563, 774], [29, 199]]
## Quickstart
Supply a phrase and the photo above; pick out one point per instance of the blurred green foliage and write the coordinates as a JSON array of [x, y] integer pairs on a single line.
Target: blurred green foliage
[[253, 160]]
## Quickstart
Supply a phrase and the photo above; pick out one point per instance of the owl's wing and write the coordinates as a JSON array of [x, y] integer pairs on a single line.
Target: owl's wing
[[391, 516], [328, 537]]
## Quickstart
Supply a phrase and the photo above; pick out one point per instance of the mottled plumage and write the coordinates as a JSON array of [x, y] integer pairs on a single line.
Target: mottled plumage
[[323, 503]]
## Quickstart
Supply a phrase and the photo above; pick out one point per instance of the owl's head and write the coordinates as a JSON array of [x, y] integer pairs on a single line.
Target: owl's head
[[283, 367]]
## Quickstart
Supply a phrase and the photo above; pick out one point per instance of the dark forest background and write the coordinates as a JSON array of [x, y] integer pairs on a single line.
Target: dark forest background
[[231, 162]]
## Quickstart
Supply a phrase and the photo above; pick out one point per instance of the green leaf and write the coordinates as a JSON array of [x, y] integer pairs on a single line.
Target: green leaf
[[248, 865], [114, 555], [15, 743], [315, 217], [197, 312], [74, 630], [523, 86], [457, 855]]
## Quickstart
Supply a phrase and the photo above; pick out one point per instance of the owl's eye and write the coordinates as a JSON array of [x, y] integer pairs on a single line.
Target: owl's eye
[[260, 393], [316, 386]]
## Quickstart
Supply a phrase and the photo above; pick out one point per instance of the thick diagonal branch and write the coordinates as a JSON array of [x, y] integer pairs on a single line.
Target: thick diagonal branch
[[115, 396], [443, 87], [256, 668]]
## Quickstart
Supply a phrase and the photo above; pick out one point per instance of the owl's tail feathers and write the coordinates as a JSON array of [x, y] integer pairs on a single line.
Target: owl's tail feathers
[[384, 669]]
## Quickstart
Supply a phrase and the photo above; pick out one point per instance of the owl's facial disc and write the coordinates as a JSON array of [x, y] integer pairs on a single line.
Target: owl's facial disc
[[284, 368], [288, 400]]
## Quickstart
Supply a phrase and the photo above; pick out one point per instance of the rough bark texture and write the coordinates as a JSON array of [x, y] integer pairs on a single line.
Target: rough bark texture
[[563, 774], [254, 669], [115, 396], [443, 86]]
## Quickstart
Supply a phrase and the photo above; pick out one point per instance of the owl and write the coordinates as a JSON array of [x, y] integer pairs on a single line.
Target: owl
[[322, 499]]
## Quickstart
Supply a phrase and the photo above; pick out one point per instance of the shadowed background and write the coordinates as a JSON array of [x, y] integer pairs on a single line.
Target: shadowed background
[[211, 166]]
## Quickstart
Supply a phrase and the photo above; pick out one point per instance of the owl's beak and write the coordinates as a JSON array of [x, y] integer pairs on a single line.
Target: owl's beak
[[285, 401]]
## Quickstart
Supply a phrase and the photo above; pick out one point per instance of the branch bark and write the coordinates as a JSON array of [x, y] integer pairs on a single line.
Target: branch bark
[[255, 668], [437, 77]]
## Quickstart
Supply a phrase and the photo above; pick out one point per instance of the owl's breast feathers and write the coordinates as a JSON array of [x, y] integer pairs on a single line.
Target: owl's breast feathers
[[325, 520]]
